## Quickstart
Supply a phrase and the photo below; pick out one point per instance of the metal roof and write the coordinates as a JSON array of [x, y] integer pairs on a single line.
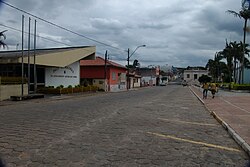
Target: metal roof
[[58, 57]]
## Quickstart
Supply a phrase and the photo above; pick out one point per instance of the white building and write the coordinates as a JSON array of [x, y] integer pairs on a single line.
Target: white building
[[54, 66], [192, 76]]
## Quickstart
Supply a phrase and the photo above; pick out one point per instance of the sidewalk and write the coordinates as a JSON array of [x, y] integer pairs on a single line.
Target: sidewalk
[[49, 98], [232, 110]]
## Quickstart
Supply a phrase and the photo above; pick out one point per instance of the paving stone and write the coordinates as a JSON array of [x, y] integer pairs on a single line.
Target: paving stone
[[113, 130]]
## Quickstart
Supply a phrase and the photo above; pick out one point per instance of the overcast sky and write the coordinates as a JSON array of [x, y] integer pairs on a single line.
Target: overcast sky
[[180, 33]]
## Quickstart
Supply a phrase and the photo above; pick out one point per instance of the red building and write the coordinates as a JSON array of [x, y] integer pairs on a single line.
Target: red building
[[109, 77]]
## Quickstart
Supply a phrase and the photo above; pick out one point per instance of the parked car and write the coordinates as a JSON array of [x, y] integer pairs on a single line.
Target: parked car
[[163, 84]]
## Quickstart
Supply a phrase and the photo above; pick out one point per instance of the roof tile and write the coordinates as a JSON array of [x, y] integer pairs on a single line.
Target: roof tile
[[99, 61]]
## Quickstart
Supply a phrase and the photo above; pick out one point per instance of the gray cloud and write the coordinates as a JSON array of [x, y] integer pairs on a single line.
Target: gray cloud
[[179, 33]]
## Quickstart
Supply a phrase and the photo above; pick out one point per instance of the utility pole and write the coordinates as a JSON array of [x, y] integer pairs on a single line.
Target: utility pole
[[129, 55], [105, 70], [128, 71], [105, 66], [29, 58], [22, 53], [35, 76]]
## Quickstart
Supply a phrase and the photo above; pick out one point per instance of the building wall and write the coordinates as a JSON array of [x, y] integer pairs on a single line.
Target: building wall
[[148, 81], [137, 82], [69, 75], [92, 72], [246, 76], [192, 76], [12, 90], [117, 79], [100, 83]]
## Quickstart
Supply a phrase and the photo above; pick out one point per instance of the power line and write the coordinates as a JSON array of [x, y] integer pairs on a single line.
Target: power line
[[58, 26], [36, 35]]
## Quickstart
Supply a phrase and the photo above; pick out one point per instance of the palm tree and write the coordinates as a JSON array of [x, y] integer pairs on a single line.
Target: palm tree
[[236, 51], [233, 54], [245, 14], [234, 46], [242, 59], [227, 54], [214, 66], [2, 43]]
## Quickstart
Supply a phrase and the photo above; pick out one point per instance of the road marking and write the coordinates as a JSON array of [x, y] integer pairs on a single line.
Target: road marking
[[195, 142], [185, 122], [235, 106]]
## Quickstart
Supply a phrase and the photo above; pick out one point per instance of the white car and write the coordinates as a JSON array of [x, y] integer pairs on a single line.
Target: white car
[[163, 84]]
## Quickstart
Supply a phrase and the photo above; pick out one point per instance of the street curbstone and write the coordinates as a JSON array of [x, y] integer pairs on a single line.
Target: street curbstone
[[230, 131], [238, 139], [225, 125], [241, 142], [197, 96], [246, 147], [217, 117]]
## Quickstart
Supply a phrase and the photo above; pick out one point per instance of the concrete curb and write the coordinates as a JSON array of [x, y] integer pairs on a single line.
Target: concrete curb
[[197, 96], [233, 134]]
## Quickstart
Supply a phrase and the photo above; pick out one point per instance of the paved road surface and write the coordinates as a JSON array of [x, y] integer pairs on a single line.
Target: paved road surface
[[158, 126]]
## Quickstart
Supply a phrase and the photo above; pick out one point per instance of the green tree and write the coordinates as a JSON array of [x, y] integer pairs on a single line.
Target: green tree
[[214, 66], [226, 53], [236, 54], [136, 64], [242, 59], [2, 43], [204, 79], [245, 14]]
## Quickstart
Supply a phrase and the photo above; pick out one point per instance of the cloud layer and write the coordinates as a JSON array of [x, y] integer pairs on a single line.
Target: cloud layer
[[180, 33]]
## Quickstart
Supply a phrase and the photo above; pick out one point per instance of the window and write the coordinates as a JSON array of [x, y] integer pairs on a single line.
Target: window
[[188, 75], [195, 76], [113, 76], [136, 80]]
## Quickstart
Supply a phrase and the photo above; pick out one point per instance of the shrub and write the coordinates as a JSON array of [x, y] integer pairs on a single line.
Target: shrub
[[77, 86], [241, 86], [12, 80], [60, 90], [49, 90], [204, 79]]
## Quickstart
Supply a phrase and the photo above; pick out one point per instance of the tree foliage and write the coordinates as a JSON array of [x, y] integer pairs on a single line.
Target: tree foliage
[[233, 54], [216, 67], [245, 14], [2, 38], [204, 79]]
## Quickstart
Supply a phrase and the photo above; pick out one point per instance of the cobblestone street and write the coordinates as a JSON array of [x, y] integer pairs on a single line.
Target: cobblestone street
[[158, 126]]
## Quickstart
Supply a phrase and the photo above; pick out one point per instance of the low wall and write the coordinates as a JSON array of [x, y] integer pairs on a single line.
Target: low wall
[[12, 90], [100, 83], [117, 88]]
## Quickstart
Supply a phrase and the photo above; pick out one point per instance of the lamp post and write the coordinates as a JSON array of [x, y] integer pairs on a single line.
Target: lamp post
[[129, 56]]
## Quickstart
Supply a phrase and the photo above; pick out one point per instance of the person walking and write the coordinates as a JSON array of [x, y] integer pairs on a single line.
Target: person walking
[[213, 89], [205, 87]]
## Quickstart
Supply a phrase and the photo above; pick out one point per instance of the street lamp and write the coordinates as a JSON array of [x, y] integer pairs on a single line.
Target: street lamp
[[129, 55]]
